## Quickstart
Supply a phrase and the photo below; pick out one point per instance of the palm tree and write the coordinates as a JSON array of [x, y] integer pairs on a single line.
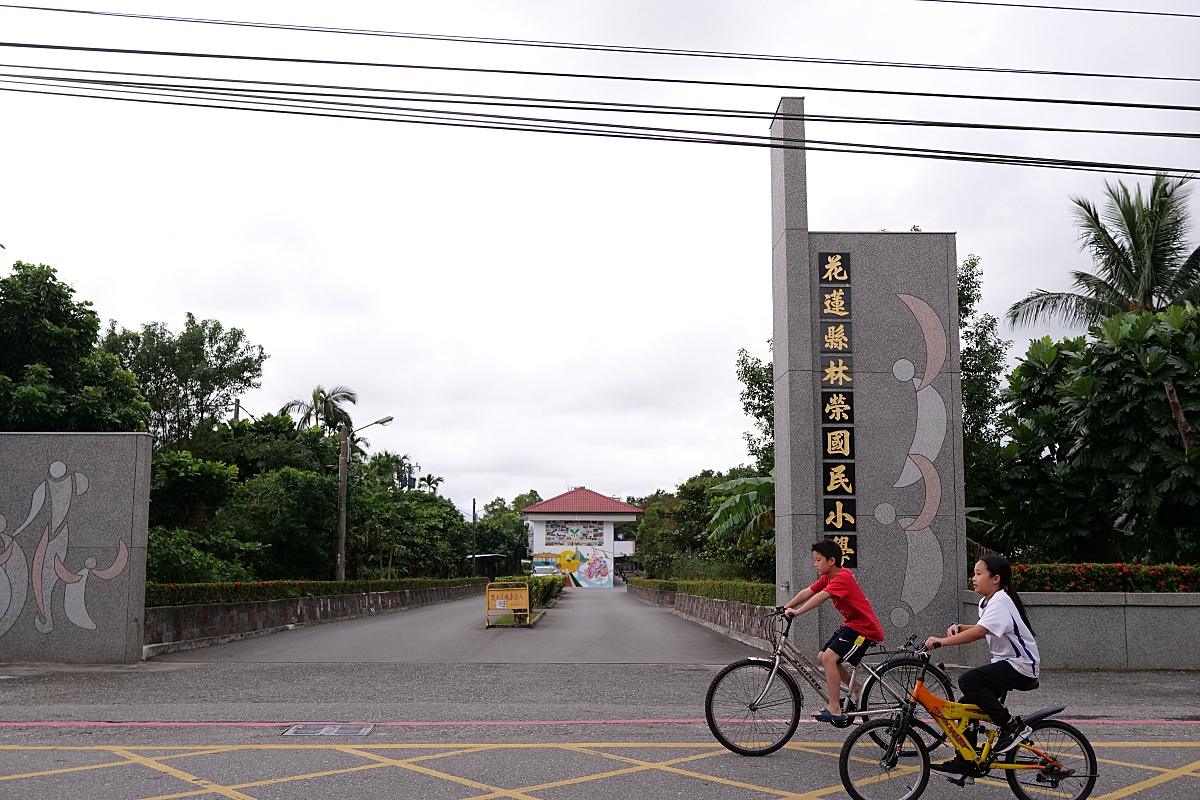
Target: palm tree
[[430, 483], [1142, 260], [326, 408]]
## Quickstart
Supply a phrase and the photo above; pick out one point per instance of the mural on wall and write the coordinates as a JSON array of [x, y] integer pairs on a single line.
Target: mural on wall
[[19, 578], [587, 568], [560, 534], [924, 573]]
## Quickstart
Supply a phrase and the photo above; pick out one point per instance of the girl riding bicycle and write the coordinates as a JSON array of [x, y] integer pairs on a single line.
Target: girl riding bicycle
[[1015, 661]]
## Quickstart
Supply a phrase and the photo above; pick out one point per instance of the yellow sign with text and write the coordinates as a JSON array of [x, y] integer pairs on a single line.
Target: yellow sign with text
[[507, 598]]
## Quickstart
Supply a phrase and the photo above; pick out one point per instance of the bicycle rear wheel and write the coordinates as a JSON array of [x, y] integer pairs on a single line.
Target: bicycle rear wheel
[[747, 727], [1066, 758], [881, 761]]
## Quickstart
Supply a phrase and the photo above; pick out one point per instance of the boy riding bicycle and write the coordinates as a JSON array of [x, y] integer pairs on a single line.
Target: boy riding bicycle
[[859, 630]]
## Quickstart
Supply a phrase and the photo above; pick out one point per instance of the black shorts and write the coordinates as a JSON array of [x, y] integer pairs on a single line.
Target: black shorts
[[848, 644]]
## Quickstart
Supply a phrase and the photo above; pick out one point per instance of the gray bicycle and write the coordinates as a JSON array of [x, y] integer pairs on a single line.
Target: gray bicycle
[[753, 706]]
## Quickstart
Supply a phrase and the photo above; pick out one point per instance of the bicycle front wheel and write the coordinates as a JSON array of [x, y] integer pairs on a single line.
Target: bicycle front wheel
[[740, 720], [882, 761], [893, 684], [1058, 762]]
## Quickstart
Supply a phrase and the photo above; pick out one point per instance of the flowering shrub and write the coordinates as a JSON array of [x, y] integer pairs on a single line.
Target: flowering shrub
[[184, 594], [1105, 578], [756, 594]]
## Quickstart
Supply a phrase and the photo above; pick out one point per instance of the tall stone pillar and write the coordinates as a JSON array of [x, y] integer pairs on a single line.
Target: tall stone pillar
[[868, 412]]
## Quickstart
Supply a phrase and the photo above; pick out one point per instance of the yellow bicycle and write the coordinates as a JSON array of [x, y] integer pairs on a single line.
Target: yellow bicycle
[[887, 759]]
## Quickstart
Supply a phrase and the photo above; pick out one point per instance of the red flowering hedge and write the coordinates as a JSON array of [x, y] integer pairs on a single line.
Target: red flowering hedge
[[1105, 578], [185, 594]]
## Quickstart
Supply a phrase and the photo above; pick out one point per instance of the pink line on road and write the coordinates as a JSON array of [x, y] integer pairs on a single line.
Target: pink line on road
[[479, 723]]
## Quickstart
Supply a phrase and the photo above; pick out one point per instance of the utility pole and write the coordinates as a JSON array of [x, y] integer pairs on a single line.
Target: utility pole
[[474, 557], [344, 437], [237, 407]]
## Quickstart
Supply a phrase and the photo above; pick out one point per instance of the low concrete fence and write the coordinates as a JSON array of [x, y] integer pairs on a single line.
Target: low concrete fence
[[739, 621], [1075, 630], [170, 629], [1109, 630]]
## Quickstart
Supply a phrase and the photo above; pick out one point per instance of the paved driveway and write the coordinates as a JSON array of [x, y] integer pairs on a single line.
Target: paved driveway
[[604, 698]]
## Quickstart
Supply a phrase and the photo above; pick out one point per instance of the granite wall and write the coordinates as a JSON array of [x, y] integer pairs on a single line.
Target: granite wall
[[74, 509]]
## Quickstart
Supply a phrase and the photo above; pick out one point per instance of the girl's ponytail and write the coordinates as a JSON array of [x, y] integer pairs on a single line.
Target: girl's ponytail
[[998, 565]]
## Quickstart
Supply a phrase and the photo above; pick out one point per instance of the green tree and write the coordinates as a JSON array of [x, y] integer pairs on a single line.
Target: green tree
[[183, 556], [1102, 458], [326, 408], [525, 500], [1138, 244], [982, 357], [52, 377], [189, 379], [269, 443], [185, 491], [430, 483], [293, 514], [758, 401], [500, 530]]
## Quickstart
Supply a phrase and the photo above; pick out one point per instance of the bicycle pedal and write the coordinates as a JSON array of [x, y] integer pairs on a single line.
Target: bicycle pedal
[[962, 780]]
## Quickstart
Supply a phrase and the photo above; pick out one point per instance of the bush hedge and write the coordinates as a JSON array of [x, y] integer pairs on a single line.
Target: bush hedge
[[756, 594], [1105, 578], [1026, 578], [185, 594], [542, 588]]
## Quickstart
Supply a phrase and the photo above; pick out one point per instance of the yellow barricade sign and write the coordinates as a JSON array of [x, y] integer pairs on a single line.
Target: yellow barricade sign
[[507, 597]]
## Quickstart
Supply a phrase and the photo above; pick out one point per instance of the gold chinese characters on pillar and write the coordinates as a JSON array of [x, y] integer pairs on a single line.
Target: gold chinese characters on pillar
[[837, 432]]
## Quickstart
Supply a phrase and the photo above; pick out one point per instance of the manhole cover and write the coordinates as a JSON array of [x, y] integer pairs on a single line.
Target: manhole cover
[[329, 730]]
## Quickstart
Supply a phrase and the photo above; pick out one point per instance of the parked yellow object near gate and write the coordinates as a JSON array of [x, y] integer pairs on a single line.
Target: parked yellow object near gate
[[507, 597]]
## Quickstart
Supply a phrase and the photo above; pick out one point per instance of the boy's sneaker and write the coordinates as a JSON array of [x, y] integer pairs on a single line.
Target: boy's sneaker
[[1011, 735]]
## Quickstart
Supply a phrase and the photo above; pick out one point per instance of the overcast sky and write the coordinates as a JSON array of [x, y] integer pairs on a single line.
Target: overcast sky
[[539, 310]]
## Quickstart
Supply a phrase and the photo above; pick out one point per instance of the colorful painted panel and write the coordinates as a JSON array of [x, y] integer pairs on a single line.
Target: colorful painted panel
[[585, 567], [574, 533]]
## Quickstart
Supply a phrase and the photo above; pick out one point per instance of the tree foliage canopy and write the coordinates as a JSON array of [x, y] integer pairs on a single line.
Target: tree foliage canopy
[[1139, 246], [52, 377], [189, 379], [1102, 460]]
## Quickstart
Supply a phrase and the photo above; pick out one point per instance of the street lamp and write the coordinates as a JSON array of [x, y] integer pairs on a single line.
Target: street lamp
[[343, 455]]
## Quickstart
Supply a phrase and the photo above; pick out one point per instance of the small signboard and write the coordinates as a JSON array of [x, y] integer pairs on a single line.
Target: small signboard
[[505, 598]]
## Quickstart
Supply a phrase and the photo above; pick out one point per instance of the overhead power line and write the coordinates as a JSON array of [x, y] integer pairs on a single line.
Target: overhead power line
[[604, 48], [281, 89], [584, 128], [1065, 8], [596, 76]]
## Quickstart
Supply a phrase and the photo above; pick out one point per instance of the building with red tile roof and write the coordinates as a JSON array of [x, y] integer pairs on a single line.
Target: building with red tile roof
[[575, 533]]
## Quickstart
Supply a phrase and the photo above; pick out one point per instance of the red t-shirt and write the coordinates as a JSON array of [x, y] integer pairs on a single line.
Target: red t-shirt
[[850, 601]]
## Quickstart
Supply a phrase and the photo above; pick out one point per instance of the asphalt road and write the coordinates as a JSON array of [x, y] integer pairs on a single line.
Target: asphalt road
[[604, 697]]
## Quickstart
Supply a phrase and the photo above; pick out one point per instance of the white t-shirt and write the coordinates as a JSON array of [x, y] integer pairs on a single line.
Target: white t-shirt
[[1008, 637]]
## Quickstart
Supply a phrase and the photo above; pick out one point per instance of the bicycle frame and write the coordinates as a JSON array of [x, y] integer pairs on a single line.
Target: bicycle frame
[[786, 653], [956, 718]]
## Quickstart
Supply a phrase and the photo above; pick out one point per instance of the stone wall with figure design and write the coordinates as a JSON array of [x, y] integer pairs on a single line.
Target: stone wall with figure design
[[868, 418], [74, 509]]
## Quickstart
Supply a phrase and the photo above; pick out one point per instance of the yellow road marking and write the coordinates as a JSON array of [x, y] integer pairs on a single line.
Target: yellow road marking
[[493, 791], [419, 757], [1150, 782], [64, 770], [214, 788]]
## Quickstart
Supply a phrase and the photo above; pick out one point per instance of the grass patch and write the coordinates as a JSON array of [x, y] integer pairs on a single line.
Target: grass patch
[[515, 620]]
